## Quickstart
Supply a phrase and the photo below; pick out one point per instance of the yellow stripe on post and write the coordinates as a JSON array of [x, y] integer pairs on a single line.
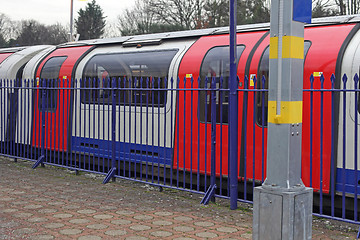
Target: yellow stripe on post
[[293, 47], [274, 46], [291, 112]]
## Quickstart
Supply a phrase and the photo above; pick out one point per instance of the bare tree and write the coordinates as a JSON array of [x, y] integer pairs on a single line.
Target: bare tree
[[34, 33], [8, 29], [137, 20], [324, 8], [185, 13], [216, 13], [348, 6]]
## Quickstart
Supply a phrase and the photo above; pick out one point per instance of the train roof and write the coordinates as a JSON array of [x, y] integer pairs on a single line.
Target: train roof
[[11, 50], [157, 38]]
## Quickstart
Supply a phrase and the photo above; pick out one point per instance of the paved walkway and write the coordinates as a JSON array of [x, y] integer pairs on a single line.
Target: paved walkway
[[53, 203]]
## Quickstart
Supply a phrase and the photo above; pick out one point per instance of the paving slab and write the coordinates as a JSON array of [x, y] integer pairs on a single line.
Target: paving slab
[[54, 203]]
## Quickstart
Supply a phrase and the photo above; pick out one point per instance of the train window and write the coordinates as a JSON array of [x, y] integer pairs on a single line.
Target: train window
[[50, 74], [262, 97], [216, 64], [129, 71]]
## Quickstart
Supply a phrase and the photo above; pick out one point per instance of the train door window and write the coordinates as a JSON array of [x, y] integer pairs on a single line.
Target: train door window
[[216, 64], [131, 71], [262, 97], [50, 75]]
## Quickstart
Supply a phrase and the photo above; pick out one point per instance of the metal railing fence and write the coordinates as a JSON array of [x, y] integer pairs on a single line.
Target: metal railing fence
[[174, 133]]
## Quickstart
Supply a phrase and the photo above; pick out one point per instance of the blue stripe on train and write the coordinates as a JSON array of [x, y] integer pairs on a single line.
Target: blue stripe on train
[[350, 181], [124, 151]]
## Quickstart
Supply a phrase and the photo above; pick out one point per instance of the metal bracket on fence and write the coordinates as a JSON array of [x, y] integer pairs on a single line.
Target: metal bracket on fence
[[208, 195], [39, 161], [358, 234], [110, 174]]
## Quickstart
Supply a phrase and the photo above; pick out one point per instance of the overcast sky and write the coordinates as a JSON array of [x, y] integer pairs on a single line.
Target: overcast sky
[[53, 11]]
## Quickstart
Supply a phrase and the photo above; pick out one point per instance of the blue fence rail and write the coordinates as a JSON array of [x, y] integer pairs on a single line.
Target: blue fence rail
[[174, 133]]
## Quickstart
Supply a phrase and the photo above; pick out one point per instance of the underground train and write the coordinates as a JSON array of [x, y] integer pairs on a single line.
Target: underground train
[[171, 127]]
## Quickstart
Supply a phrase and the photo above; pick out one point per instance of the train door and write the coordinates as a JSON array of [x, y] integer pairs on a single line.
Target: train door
[[258, 112], [349, 121], [208, 57], [55, 73]]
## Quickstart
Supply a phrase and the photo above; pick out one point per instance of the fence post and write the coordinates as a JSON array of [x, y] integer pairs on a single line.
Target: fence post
[[42, 112], [283, 205], [233, 106], [112, 170], [209, 195]]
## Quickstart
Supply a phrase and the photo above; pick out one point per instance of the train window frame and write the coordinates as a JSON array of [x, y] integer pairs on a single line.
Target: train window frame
[[130, 96], [201, 99], [258, 111], [51, 82]]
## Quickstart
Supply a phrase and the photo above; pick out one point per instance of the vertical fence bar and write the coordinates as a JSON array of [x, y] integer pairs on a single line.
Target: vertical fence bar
[[48, 116], [93, 100], [191, 131], [104, 158], [113, 125], [263, 129], [333, 167], [198, 142], [344, 147], [75, 142], [158, 125], [321, 140], [124, 125], [221, 131], [172, 123], [141, 123], [107, 116], [5, 115], [43, 115], [9, 122], [1, 118], [311, 126], [32, 99], [56, 122], [356, 81], [207, 102], [254, 133], [147, 129], [136, 93], [184, 133], [19, 128], [152, 126], [51, 126], [64, 122], [165, 92], [91, 90], [213, 132], [245, 116], [177, 130], [17, 118]]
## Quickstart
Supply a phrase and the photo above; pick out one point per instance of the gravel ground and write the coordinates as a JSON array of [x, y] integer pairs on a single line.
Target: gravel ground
[[54, 203]]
